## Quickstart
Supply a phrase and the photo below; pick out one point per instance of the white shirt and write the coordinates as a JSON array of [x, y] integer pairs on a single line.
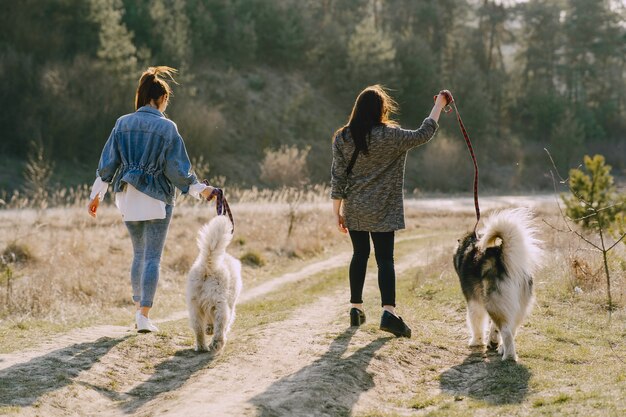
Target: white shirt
[[135, 205]]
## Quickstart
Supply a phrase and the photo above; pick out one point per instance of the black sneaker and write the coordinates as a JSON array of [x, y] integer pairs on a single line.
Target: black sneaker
[[392, 324], [357, 317]]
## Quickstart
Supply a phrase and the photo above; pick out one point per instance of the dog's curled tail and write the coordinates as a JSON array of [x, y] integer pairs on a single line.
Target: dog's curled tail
[[521, 250], [214, 237]]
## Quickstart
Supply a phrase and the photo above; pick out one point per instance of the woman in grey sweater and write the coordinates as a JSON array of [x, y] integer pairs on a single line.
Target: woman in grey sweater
[[367, 177]]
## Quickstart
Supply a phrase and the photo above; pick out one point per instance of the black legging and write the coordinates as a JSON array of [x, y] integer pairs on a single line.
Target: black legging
[[383, 249]]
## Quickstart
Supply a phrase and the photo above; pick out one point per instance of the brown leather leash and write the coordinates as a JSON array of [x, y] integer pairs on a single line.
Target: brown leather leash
[[448, 109], [221, 205]]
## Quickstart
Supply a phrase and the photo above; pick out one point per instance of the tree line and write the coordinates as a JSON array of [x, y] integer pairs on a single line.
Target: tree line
[[259, 74]]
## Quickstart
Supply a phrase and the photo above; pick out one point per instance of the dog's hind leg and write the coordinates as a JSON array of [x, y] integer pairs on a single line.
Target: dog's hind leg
[[508, 343], [221, 324], [476, 320], [210, 319], [232, 319], [197, 324], [494, 336]]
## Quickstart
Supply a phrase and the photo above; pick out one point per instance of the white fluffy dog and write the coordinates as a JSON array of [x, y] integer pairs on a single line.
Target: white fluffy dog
[[496, 272], [213, 285]]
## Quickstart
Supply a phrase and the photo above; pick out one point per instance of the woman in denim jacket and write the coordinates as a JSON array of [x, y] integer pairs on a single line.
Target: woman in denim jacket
[[145, 159]]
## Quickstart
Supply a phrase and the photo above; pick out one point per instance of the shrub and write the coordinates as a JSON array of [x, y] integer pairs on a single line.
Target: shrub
[[593, 201], [443, 165], [595, 205], [285, 166], [252, 259], [16, 253], [37, 174]]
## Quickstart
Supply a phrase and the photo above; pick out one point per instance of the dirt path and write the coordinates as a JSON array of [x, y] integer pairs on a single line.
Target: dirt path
[[307, 364], [289, 371], [295, 364], [91, 334], [271, 377]]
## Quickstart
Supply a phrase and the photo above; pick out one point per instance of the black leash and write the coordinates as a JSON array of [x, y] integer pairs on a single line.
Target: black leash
[[448, 109]]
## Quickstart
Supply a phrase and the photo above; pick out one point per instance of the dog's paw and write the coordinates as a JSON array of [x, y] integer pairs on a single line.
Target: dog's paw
[[509, 357], [201, 348], [216, 345], [476, 342], [501, 349], [209, 329]]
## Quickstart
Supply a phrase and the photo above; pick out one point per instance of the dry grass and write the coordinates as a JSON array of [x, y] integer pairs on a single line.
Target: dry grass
[[73, 268], [571, 354], [571, 350]]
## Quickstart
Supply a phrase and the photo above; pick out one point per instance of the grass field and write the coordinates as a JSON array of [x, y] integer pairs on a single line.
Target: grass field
[[291, 351]]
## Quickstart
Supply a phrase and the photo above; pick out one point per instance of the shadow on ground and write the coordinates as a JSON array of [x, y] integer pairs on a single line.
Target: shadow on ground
[[330, 386], [23, 384], [484, 376], [168, 376]]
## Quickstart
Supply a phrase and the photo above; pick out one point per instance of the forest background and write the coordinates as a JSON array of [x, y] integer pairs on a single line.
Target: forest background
[[276, 78]]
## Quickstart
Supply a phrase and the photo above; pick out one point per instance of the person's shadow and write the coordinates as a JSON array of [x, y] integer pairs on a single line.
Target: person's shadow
[[168, 376], [330, 386], [484, 376], [23, 384]]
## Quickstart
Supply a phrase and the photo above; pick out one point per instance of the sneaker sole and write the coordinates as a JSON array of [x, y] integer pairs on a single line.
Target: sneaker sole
[[144, 331]]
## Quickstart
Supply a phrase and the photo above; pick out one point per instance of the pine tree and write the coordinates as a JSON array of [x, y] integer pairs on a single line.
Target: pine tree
[[116, 51]]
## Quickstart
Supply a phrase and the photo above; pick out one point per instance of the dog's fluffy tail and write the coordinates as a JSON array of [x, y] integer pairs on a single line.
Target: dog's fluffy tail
[[214, 237], [521, 251]]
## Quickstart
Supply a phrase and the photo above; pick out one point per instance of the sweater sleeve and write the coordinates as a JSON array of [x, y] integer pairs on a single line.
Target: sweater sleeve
[[408, 139], [338, 174]]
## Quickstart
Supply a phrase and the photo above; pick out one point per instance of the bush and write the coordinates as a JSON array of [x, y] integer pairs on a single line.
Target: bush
[[444, 165], [594, 201], [16, 253], [252, 259], [285, 166]]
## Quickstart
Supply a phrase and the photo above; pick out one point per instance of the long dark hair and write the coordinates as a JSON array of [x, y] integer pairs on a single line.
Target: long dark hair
[[373, 107], [151, 87]]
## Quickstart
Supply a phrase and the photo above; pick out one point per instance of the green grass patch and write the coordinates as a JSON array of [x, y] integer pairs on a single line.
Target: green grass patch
[[277, 305], [252, 259], [570, 354]]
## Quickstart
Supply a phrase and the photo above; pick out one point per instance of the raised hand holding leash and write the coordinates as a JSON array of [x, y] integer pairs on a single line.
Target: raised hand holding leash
[[221, 205], [448, 108]]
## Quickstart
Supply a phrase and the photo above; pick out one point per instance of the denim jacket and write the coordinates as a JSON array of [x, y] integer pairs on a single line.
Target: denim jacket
[[146, 151]]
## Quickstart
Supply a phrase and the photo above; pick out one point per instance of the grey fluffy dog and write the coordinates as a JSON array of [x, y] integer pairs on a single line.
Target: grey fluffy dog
[[213, 286]]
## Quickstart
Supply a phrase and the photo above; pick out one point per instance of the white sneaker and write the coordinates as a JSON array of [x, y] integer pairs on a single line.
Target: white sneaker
[[144, 324]]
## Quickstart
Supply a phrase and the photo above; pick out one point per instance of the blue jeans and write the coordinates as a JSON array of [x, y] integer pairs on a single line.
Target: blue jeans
[[148, 239]]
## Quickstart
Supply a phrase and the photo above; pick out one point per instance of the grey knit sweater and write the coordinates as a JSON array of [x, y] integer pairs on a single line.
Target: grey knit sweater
[[373, 192]]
